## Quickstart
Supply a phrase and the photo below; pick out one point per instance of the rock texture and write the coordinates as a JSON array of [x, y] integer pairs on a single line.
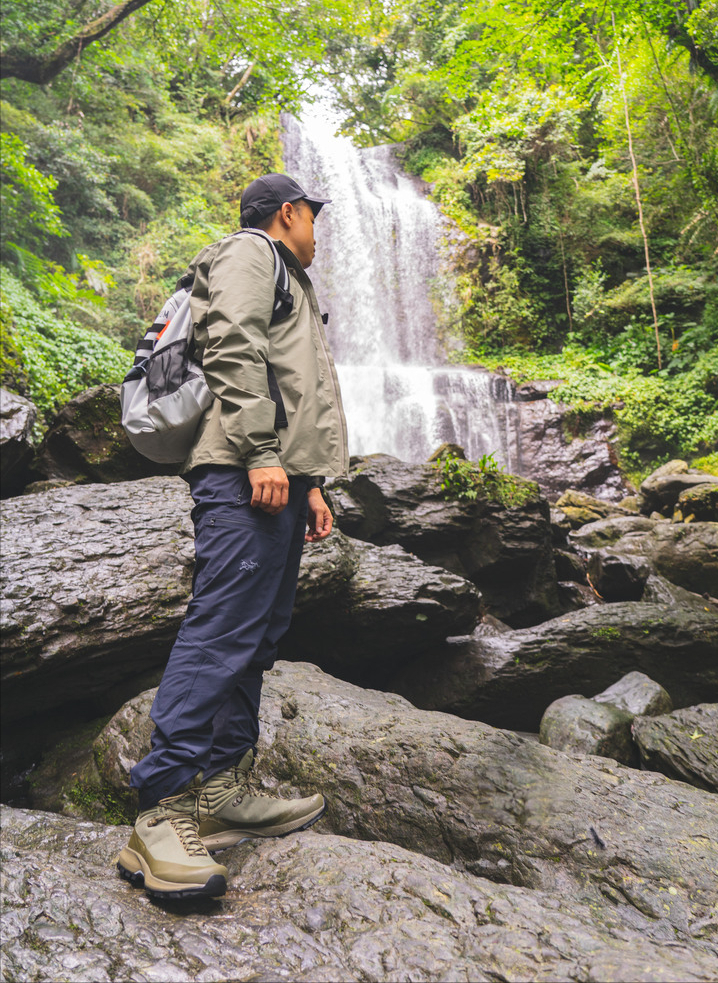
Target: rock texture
[[309, 908], [505, 551], [662, 490], [509, 679], [86, 442], [493, 803], [687, 555], [17, 418], [580, 508], [97, 577], [559, 461], [393, 609], [95, 584], [682, 744], [575, 724], [638, 695]]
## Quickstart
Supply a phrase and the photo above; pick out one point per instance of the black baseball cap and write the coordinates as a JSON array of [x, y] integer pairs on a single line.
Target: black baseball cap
[[264, 196]]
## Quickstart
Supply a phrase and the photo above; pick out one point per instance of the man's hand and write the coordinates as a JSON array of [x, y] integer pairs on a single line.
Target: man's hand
[[270, 489], [319, 518]]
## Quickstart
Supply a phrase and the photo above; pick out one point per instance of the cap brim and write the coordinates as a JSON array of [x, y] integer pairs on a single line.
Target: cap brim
[[317, 203]]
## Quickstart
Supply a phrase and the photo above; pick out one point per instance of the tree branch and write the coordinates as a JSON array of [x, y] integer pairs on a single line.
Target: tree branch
[[19, 63]]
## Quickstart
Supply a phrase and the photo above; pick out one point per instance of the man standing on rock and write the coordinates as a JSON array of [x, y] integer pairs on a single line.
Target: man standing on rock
[[275, 429]]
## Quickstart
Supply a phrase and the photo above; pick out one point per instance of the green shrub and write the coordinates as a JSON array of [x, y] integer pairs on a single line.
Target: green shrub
[[467, 481], [49, 358]]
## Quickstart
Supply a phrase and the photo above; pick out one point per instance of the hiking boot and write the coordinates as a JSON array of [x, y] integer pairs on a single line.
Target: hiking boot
[[233, 810], [166, 854]]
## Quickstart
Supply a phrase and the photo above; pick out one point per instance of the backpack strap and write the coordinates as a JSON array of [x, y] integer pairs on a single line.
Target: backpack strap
[[283, 299]]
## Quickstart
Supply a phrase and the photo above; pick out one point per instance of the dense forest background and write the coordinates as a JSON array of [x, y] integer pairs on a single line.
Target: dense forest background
[[574, 143]]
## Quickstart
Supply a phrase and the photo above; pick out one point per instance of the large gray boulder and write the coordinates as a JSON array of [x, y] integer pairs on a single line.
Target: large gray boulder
[[661, 490], [505, 551], [490, 802], [309, 908], [17, 418], [95, 584], [509, 679], [85, 441], [638, 695], [96, 580], [682, 744], [685, 554], [576, 724], [393, 609]]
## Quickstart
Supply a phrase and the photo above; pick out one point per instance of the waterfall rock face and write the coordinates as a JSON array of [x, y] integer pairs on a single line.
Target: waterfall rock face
[[505, 551], [558, 461]]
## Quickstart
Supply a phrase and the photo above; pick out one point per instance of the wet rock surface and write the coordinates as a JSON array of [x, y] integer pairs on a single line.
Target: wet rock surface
[[17, 418], [580, 508], [685, 554], [96, 580], [391, 610], [662, 490], [635, 845], [575, 724], [682, 744], [308, 908], [509, 679], [95, 584], [637, 694], [505, 551], [585, 462], [86, 442]]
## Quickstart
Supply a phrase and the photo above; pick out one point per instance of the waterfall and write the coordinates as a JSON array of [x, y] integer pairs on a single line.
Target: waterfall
[[379, 274]]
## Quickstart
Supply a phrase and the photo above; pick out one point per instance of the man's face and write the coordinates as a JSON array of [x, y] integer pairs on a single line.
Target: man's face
[[300, 236]]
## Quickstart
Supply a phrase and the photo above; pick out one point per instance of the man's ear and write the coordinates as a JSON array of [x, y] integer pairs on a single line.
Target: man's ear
[[287, 213]]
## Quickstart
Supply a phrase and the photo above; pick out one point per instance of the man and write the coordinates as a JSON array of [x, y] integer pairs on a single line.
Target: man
[[274, 430]]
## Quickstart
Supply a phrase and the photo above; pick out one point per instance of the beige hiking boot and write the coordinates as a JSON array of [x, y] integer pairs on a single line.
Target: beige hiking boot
[[233, 810], [166, 854]]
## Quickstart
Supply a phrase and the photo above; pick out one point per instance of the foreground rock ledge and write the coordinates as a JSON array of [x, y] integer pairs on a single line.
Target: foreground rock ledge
[[484, 800], [307, 908]]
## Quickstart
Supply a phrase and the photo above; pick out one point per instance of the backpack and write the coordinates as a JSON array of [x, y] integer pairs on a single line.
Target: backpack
[[165, 393]]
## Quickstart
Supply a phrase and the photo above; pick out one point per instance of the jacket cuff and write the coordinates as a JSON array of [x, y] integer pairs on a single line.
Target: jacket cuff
[[262, 459]]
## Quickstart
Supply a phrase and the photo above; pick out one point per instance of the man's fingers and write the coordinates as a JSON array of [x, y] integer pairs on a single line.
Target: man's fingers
[[270, 489]]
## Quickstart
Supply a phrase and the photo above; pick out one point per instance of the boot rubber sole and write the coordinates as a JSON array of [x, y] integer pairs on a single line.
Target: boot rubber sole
[[134, 868], [215, 842]]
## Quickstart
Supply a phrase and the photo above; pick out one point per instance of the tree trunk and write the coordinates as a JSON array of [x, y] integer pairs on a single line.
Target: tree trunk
[[39, 68]]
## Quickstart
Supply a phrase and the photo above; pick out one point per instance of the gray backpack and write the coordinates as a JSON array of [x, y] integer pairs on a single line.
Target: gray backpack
[[165, 394]]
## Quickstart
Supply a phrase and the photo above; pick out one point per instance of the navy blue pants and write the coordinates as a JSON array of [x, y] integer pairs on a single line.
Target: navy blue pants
[[245, 578]]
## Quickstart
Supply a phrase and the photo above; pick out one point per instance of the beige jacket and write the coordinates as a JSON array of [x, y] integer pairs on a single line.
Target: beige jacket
[[231, 305]]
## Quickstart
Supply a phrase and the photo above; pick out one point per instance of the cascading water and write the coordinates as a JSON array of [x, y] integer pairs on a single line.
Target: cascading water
[[379, 275]]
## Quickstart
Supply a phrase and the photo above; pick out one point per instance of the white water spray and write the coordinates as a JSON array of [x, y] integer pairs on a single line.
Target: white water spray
[[379, 275]]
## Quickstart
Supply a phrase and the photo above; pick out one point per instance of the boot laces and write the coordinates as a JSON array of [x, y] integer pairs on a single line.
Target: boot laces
[[185, 825], [251, 787]]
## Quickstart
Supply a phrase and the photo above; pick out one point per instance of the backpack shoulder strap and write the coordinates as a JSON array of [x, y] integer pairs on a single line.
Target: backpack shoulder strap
[[283, 299]]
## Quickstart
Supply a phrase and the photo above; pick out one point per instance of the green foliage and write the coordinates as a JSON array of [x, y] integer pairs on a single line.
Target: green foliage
[[29, 212], [467, 481], [658, 417], [47, 359]]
